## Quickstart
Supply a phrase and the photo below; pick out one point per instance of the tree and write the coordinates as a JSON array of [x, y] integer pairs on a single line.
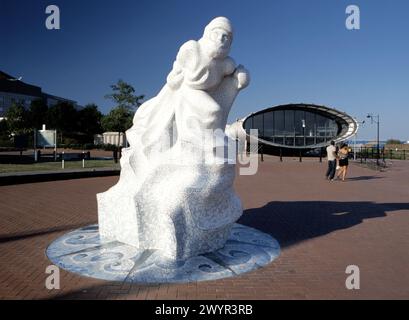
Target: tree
[[4, 133], [119, 119], [17, 119], [393, 141], [37, 113], [3, 127], [123, 96], [89, 120], [62, 117]]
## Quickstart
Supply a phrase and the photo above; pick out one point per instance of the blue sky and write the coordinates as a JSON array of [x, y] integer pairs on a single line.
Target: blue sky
[[296, 51]]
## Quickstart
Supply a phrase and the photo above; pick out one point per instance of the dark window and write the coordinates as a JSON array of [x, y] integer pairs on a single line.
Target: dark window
[[321, 123], [299, 141], [332, 129], [248, 124], [309, 124], [320, 140], [299, 124], [279, 140], [269, 124], [258, 124], [289, 123], [289, 141], [279, 123], [309, 141]]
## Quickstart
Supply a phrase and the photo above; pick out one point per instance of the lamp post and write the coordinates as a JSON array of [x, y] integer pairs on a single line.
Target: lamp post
[[376, 120]]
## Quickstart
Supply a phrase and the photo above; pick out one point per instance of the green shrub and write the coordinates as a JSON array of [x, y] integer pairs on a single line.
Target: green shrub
[[110, 147], [88, 146]]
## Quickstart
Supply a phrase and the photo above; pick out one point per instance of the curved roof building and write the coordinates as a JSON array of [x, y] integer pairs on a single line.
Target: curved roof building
[[296, 127]]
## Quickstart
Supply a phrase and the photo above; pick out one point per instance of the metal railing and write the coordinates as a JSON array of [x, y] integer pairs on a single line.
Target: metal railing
[[368, 153]]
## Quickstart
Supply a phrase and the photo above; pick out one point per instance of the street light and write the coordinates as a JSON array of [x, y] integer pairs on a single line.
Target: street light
[[373, 117]]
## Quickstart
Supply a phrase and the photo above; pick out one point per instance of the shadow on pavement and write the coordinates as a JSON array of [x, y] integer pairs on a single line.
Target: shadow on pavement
[[362, 178], [294, 221], [288, 222], [39, 232]]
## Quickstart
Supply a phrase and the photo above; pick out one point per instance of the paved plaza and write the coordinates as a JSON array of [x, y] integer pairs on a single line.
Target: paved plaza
[[322, 227]]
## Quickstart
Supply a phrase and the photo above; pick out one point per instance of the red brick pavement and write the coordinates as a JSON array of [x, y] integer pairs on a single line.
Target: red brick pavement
[[322, 227]]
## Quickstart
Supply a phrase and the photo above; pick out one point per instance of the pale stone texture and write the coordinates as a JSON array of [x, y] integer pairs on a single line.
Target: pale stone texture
[[82, 252], [175, 192]]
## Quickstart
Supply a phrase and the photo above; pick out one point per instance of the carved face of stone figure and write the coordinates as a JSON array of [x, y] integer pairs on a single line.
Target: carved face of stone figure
[[218, 36], [221, 38]]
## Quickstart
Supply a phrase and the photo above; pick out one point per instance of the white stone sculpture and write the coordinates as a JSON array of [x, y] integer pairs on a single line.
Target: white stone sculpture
[[175, 191]]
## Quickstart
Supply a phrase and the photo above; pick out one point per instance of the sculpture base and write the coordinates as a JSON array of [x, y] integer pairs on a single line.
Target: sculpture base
[[82, 252]]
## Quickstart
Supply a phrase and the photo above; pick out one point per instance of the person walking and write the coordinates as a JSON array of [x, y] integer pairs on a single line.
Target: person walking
[[343, 154], [332, 161]]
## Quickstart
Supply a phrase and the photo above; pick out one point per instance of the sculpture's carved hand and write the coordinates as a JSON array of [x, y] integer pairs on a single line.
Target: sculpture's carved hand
[[243, 77]]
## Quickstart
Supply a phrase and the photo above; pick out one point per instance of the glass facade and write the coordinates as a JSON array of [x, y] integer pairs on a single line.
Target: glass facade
[[295, 127], [7, 99]]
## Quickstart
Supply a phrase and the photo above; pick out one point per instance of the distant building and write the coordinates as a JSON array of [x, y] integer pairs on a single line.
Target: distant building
[[111, 138], [296, 128], [15, 91]]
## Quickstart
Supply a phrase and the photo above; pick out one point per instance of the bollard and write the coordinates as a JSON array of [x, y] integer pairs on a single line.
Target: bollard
[[261, 153], [300, 156], [281, 155], [62, 160], [83, 159]]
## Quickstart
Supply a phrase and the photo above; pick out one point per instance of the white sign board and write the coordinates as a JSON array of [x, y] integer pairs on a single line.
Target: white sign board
[[46, 138]]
